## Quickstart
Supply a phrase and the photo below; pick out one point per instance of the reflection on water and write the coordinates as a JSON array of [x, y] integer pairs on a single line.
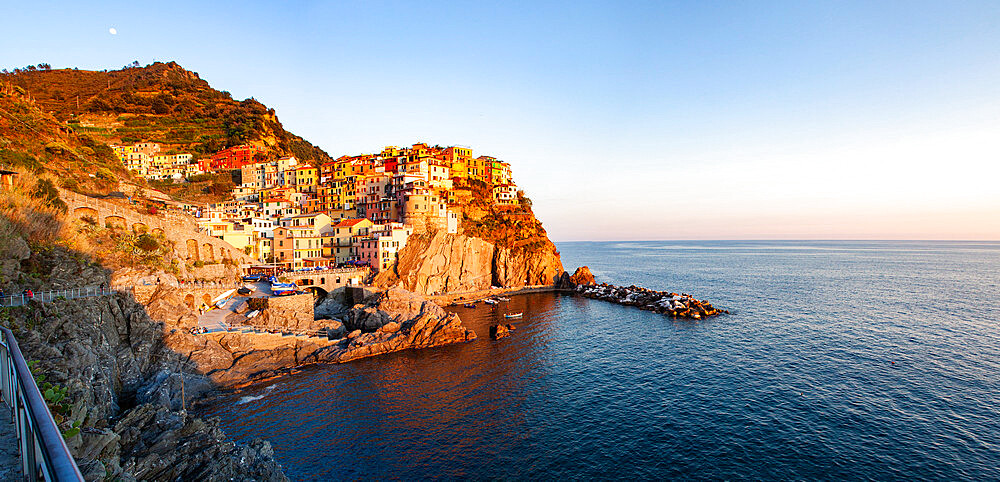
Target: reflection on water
[[873, 361]]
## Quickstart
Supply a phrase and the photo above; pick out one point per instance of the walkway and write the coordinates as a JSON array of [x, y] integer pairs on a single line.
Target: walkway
[[49, 296], [10, 459], [215, 320]]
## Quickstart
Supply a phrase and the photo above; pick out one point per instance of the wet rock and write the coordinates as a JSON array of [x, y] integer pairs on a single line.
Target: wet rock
[[500, 331], [673, 304]]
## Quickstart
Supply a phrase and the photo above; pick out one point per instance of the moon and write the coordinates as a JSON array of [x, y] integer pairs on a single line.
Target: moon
[[113, 31]]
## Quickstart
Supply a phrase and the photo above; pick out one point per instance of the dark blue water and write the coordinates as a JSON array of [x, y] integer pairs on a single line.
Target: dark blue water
[[847, 360]]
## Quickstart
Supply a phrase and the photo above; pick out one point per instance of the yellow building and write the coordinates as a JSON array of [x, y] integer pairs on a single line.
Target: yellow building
[[339, 243], [306, 179], [307, 247]]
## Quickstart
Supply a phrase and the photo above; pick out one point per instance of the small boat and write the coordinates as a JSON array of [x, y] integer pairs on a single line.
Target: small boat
[[503, 299], [469, 305], [490, 302], [514, 315]]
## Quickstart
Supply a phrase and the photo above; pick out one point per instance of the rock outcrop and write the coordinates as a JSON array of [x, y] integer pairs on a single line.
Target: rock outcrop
[[435, 263], [111, 357], [501, 331], [526, 266], [391, 321], [582, 277], [677, 305], [441, 263]]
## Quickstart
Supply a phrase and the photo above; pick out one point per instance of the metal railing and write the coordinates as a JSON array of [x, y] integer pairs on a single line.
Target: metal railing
[[49, 296], [44, 455]]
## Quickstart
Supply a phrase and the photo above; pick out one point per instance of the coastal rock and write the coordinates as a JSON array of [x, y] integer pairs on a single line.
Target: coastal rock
[[330, 307], [390, 327], [564, 282], [441, 263], [392, 305], [673, 304], [433, 263], [582, 277], [394, 320], [109, 354], [500, 331], [526, 266], [168, 445], [334, 328], [167, 305]]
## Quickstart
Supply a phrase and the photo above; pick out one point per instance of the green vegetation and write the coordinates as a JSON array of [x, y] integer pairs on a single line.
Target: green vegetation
[[56, 398], [160, 102], [19, 160]]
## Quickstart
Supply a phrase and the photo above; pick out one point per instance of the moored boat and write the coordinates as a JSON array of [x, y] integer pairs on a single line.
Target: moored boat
[[514, 315]]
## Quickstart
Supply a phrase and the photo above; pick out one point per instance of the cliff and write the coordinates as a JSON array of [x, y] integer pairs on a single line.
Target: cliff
[[123, 413], [124, 387], [438, 262]]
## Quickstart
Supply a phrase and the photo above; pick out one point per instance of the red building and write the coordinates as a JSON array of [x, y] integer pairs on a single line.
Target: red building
[[233, 158]]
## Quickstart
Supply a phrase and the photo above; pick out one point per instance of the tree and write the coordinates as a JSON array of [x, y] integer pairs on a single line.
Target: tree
[[159, 106]]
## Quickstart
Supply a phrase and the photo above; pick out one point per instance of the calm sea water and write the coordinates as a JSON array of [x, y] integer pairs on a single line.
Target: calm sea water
[[847, 360]]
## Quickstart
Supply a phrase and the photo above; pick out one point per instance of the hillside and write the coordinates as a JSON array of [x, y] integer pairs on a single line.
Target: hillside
[[32, 140], [162, 103]]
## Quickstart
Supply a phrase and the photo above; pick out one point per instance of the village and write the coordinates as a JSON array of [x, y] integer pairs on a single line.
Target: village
[[355, 211]]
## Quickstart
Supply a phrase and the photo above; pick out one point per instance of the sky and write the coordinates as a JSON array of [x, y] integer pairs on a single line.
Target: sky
[[621, 120]]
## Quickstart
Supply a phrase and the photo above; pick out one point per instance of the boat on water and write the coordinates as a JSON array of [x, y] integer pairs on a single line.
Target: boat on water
[[514, 315], [503, 298], [490, 301], [469, 305]]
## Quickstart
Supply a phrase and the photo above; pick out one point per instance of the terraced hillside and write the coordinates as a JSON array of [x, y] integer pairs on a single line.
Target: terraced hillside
[[162, 103]]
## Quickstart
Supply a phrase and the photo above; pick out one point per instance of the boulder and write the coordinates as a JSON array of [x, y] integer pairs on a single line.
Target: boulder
[[500, 331], [582, 277], [334, 329]]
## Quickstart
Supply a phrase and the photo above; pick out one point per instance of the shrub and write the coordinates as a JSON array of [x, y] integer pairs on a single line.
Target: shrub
[[105, 175], [46, 191], [147, 243], [14, 159]]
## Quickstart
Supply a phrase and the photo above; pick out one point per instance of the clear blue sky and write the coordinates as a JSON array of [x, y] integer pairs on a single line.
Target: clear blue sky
[[622, 120]]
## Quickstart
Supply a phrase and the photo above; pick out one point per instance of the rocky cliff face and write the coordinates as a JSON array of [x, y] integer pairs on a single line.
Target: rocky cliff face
[[452, 263], [122, 382], [125, 388], [524, 266]]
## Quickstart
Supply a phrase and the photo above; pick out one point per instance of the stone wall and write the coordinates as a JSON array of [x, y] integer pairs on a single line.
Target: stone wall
[[179, 228], [287, 313], [192, 297]]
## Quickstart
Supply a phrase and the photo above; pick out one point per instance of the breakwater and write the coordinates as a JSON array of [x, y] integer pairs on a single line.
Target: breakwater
[[677, 305]]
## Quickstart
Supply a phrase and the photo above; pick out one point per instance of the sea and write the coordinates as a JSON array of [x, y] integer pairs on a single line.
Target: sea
[[849, 360]]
